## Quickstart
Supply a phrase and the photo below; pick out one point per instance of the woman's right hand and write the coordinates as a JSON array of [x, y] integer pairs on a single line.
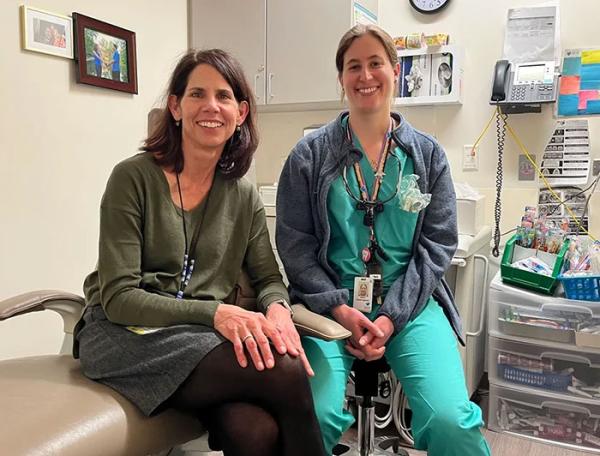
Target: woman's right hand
[[358, 324], [249, 330]]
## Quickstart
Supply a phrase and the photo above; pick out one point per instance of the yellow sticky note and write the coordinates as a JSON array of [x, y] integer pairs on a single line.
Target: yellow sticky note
[[589, 57]]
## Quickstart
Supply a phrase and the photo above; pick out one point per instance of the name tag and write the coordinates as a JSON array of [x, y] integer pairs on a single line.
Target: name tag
[[363, 294]]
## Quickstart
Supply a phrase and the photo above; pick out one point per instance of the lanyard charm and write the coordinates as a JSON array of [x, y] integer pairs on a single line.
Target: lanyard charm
[[366, 255]]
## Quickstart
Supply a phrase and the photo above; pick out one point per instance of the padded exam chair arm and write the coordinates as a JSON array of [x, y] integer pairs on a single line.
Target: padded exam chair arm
[[68, 305], [309, 323]]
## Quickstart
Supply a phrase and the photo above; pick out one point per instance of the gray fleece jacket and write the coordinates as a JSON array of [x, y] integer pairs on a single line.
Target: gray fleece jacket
[[303, 230]]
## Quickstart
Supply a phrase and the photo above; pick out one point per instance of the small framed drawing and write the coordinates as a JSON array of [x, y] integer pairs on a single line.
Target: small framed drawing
[[105, 54], [46, 32]]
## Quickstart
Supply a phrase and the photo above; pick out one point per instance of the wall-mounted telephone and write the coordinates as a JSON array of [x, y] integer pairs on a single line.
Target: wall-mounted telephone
[[524, 83]]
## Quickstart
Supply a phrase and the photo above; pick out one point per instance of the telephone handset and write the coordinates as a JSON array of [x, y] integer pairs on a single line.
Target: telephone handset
[[500, 79], [527, 83]]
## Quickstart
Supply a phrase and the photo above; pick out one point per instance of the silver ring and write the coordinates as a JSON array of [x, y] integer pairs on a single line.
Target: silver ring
[[249, 336]]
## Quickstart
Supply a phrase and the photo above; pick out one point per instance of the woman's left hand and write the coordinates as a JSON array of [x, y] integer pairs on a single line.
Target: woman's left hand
[[387, 328], [281, 317]]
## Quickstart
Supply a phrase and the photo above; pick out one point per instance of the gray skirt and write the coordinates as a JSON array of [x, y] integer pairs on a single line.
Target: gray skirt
[[148, 368]]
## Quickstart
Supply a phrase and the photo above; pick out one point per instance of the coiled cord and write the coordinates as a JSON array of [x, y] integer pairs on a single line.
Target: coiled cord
[[500, 136]]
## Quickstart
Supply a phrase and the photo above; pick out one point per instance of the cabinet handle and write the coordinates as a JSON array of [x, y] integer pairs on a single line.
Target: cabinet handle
[[566, 407], [270, 85], [256, 76], [562, 307], [566, 357]]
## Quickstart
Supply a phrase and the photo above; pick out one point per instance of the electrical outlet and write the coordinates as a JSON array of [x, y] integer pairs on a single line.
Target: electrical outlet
[[596, 167], [470, 160]]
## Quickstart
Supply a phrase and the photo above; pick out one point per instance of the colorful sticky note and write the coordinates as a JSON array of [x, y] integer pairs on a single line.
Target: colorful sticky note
[[588, 57], [569, 85], [593, 107], [590, 84], [567, 105], [571, 66], [586, 95], [590, 72]]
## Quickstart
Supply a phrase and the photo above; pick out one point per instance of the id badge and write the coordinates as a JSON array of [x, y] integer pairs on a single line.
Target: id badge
[[363, 294]]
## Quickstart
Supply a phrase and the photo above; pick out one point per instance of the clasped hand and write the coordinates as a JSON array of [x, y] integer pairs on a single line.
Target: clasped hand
[[254, 333], [368, 338]]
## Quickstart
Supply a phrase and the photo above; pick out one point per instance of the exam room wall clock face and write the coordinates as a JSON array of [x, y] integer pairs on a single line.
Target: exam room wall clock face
[[428, 6]]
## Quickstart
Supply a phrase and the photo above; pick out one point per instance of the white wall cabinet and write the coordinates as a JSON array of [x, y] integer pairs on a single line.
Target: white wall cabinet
[[287, 48]]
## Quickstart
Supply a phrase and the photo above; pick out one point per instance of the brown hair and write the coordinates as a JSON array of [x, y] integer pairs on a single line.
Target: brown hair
[[356, 32], [165, 139]]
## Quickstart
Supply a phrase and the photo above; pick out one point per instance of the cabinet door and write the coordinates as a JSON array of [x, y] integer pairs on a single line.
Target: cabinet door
[[236, 26], [302, 37]]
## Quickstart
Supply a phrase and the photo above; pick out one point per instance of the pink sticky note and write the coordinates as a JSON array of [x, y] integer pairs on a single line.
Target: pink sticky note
[[569, 85], [586, 95]]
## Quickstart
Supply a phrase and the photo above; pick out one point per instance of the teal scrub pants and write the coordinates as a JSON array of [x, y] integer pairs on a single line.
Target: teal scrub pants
[[424, 357]]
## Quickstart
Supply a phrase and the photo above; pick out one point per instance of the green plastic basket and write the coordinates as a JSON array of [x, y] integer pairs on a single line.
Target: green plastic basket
[[530, 280]]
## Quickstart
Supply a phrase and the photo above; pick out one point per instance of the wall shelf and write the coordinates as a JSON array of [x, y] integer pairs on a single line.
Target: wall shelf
[[435, 61]]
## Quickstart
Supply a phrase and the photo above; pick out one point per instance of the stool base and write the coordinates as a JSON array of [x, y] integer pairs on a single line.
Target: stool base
[[383, 446]]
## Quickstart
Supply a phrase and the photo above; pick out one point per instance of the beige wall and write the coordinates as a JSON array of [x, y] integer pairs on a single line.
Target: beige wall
[[478, 26], [59, 140]]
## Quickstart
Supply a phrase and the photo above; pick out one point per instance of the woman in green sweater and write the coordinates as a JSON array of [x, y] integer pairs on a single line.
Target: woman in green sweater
[[177, 224]]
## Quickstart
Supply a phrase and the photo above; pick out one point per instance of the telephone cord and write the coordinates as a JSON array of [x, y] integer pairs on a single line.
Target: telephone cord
[[500, 136]]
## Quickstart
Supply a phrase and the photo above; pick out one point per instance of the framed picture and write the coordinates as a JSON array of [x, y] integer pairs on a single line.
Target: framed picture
[[105, 54], [46, 32]]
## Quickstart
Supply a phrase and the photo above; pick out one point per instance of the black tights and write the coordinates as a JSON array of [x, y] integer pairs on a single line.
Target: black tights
[[252, 413]]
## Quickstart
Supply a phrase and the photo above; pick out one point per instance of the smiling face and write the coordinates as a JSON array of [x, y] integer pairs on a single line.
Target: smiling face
[[367, 75], [208, 110]]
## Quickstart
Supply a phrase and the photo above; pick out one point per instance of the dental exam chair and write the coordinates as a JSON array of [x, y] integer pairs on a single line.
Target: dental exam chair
[[49, 407]]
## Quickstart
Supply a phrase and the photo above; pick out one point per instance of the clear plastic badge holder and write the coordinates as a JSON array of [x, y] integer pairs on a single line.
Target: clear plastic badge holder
[[411, 198]]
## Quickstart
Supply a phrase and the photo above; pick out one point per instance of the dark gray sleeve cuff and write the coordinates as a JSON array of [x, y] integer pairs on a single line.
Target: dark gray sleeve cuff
[[321, 303]]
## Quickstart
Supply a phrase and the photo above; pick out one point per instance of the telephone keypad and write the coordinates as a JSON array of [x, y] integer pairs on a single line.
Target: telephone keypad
[[532, 92]]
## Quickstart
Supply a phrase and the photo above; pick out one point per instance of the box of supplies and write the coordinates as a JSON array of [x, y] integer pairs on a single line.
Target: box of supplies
[[470, 214], [527, 279]]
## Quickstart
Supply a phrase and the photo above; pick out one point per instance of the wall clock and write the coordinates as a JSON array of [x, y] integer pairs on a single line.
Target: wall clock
[[428, 6]]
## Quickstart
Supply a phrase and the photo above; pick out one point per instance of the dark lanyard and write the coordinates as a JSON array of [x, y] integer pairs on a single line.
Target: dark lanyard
[[188, 263]]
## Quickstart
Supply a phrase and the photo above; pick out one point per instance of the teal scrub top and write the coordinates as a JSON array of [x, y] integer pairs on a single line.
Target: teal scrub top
[[394, 227]]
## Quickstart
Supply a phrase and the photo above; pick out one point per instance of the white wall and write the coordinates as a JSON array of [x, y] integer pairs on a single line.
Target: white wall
[[59, 141], [478, 26]]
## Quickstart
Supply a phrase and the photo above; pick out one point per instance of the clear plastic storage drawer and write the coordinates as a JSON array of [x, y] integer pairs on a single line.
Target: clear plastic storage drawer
[[549, 417], [570, 372], [518, 313]]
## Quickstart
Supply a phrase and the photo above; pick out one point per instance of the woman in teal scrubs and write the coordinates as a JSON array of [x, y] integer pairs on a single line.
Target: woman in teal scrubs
[[360, 245]]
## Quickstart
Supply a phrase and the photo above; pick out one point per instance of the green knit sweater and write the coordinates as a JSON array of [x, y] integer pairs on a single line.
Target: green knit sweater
[[142, 245]]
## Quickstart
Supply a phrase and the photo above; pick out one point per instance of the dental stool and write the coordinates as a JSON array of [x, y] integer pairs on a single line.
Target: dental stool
[[49, 407], [366, 387]]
